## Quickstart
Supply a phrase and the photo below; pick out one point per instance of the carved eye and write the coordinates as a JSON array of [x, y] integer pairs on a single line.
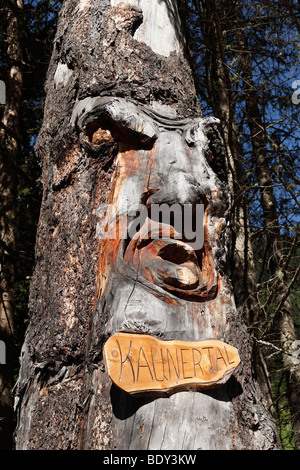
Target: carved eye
[[101, 135], [105, 132], [109, 121], [101, 131], [100, 141]]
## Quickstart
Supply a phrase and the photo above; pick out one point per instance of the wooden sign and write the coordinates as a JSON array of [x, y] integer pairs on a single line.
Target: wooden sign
[[142, 364]]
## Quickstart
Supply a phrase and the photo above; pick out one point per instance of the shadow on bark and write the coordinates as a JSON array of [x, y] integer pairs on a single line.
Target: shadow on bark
[[125, 405]]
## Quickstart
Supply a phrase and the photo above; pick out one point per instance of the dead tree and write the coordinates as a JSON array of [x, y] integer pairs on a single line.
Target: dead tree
[[134, 340]]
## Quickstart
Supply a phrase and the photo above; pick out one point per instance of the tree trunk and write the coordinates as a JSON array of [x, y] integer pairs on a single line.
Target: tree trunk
[[123, 134], [9, 145]]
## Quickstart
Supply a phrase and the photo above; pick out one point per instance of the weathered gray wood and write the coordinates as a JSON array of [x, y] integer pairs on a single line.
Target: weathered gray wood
[[161, 28], [105, 77]]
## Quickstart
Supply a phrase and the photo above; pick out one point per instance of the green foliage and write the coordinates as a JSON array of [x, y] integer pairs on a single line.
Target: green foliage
[[281, 405]]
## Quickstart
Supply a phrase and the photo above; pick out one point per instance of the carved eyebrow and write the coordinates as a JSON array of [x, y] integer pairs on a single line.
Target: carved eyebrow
[[140, 120], [124, 113]]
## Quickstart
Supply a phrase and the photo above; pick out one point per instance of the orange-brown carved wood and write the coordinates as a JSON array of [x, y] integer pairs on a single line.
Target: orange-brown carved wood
[[143, 364]]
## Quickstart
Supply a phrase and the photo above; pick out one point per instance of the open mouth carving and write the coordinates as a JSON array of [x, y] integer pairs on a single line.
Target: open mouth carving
[[161, 255]]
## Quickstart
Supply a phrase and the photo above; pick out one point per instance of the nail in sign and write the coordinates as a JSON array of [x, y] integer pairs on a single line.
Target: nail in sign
[[141, 364]]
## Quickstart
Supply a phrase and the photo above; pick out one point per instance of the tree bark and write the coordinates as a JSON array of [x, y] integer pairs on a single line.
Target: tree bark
[[123, 129], [9, 147]]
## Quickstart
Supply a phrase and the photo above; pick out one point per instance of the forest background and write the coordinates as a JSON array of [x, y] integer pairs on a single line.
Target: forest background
[[246, 66]]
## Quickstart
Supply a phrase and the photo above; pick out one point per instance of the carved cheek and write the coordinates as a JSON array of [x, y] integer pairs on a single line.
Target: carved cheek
[[126, 189]]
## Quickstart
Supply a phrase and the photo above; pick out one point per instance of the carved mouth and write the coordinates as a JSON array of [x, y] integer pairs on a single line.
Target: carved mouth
[[168, 262], [187, 274], [161, 256]]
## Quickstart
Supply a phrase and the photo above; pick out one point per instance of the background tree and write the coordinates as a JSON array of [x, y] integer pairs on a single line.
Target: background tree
[[27, 30], [9, 145], [38, 30], [277, 262], [259, 59], [221, 98]]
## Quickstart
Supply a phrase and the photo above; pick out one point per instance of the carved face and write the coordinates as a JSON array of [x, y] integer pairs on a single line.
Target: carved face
[[165, 214]]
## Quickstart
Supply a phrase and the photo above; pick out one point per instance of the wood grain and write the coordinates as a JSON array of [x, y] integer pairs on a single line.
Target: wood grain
[[143, 364]]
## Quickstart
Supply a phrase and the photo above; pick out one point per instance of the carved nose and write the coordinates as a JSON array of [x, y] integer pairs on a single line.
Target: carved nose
[[178, 188]]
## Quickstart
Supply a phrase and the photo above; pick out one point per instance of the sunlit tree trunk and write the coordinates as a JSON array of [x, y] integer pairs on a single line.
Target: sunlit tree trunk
[[123, 126]]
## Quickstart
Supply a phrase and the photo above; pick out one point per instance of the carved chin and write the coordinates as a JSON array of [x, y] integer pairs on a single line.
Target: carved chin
[[171, 264]]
